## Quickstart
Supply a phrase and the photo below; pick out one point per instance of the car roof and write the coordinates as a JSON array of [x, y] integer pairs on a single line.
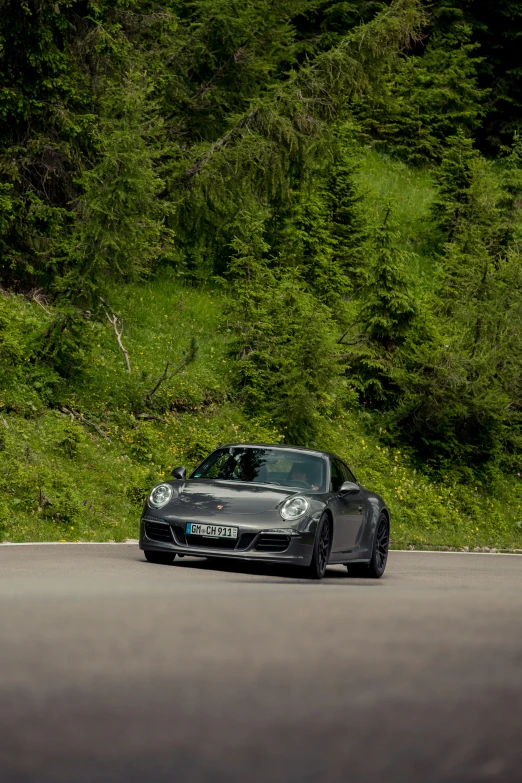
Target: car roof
[[281, 446]]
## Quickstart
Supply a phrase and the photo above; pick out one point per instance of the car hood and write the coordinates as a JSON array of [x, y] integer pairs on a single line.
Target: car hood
[[197, 497]]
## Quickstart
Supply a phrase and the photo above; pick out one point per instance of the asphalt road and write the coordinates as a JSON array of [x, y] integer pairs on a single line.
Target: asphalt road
[[113, 669]]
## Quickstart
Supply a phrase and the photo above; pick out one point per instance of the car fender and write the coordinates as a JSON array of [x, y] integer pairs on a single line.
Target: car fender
[[375, 506], [308, 526]]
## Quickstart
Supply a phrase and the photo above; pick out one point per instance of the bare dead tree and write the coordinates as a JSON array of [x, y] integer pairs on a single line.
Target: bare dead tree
[[158, 383], [188, 357], [117, 325]]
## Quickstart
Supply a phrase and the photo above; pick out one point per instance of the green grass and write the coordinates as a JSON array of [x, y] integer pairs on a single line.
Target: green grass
[[61, 480], [427, 514], [410, 193], [160, 319]]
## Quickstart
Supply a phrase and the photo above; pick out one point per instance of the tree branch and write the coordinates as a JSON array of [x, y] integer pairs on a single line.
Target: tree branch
[[75, 415], [359, 339], [220, 144], [151, 416], [324, 86], [158, 383], [115, 320], [37, 296], [204, 87], [189, 357]]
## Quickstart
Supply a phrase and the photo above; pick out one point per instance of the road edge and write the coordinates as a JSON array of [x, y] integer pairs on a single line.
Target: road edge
[[134, 542]]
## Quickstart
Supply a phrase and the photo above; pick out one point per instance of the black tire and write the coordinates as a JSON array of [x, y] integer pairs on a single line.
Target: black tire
[[377, 565], [322, 548], [161, 558]]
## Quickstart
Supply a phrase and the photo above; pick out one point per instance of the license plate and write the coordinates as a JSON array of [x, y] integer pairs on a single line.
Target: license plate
[[211, 531]]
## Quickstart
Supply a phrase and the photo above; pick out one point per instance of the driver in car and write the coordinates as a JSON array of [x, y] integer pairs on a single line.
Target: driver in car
[[300, 472]]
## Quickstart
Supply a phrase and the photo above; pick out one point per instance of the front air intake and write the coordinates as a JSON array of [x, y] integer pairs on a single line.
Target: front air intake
[[158, 531], [272, 542]]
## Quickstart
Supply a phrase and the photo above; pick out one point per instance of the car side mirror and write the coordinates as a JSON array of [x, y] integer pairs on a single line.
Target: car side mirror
[[349, 488], [179, 473]]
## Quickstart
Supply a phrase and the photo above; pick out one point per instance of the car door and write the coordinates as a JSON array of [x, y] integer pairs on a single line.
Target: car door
[[347, 510]]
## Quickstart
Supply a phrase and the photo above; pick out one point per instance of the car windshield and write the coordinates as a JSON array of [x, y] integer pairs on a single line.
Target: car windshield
[[286, 468]]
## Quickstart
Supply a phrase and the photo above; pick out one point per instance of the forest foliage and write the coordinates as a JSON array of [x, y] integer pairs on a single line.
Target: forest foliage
[[218, 145]]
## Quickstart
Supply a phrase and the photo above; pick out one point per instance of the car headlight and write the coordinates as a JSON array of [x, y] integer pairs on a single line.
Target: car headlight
[[160, 495], [294, 508]]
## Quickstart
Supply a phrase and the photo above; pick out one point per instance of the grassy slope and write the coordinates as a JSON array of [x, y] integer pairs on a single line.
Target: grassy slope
[[61, 480], [410, 193]]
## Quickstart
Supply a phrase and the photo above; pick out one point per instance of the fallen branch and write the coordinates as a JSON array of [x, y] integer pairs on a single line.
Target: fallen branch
[[116, 321], [37, 296], [75, 415], [151, 416]]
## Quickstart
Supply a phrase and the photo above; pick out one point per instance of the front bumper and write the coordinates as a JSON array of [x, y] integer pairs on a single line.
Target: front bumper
[[253, 542]]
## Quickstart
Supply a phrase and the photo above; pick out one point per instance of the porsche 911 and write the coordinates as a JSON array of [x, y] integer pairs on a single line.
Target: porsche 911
[[269, 503]]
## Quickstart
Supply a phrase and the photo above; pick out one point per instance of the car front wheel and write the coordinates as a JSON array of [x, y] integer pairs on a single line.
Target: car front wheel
[[322, 547], [375, 568], [162, 558]]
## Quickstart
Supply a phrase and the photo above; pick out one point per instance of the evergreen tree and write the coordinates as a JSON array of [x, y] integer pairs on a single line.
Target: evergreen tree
[[497, 29], [388, 303], [461, 402], [348, 225], [285, 349], [309, 248], [119, 228], [386, 317], [433, 94], [452, 206]]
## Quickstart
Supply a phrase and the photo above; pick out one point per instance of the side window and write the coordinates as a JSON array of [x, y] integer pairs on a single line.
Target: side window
[[337, 476], [348, 475], [340, 474]]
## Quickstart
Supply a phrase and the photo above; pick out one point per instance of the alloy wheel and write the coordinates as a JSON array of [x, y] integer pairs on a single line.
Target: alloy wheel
[[382, 544], [323, 552]]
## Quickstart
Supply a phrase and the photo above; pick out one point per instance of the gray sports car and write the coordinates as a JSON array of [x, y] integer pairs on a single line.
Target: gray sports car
[[269, 503]]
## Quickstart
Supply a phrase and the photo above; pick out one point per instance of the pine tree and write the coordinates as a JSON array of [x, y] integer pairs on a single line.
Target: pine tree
[[451, 208], [386, 316], [286, 354], [348, 225], [388, 304], [497, 29], [308, 247], [433, 94], [461, 401], [119, 228]]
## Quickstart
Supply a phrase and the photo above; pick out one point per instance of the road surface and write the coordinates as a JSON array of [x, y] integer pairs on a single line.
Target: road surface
[[113, 669]]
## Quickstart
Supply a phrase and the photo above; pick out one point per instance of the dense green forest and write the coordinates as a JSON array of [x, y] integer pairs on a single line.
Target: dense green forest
[[291, 221]]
